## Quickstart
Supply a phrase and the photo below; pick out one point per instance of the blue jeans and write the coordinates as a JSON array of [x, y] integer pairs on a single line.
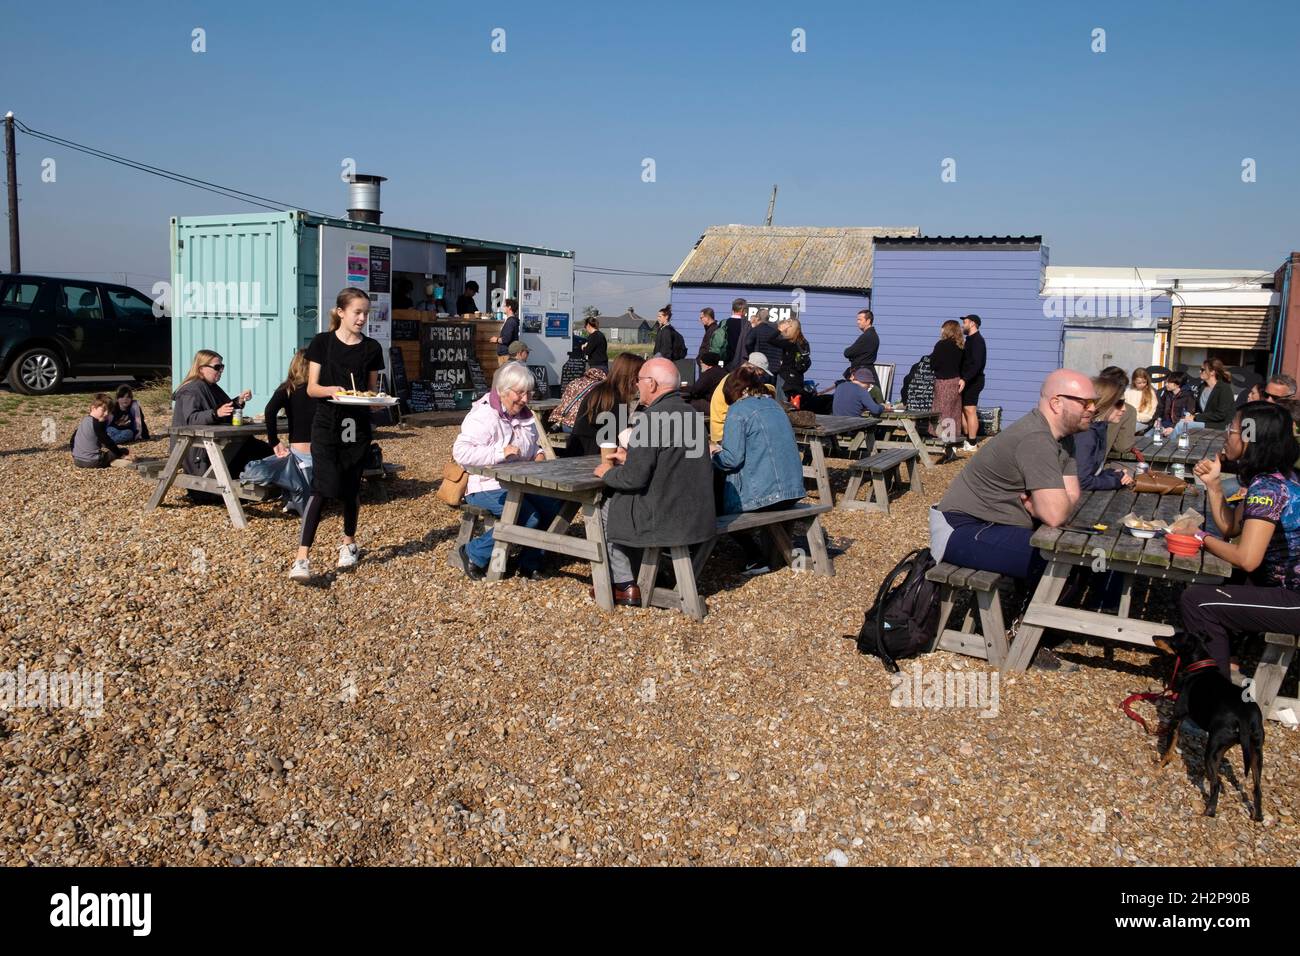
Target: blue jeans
[[984, 546], [121, 435], [534, 511], [1184, 426]]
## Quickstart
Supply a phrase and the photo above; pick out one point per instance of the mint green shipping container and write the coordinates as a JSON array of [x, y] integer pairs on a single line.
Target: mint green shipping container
[[247, 286], [244, 286]]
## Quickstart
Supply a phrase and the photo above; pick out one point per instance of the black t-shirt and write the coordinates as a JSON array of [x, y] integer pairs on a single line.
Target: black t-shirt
[[973, 357], [301, 410], [465, 305], [945, 360], [341, 364], [597, 348]]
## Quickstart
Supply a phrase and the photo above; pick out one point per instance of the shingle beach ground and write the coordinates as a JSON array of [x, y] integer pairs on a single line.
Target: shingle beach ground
[[398, 713]]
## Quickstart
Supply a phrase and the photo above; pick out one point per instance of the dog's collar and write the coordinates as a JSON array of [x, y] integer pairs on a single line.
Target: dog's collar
[[1201, 665], [1168, 693]]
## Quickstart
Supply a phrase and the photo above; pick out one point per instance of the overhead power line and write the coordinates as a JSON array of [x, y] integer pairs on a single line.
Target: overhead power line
[[603, 270], [229, 192]]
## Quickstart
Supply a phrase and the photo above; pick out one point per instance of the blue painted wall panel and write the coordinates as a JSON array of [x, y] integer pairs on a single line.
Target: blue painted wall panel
[[829, 320], [915, 290]]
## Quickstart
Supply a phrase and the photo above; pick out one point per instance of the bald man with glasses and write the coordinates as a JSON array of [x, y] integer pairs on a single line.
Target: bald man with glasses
[[1022, 477], [660, 487]]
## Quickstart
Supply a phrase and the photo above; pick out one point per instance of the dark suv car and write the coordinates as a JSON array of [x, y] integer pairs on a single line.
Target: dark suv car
[[52, 328]]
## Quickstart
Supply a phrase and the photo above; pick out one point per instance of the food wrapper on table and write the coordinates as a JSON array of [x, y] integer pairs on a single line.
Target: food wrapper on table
[[1136, 523], [1188, 522]]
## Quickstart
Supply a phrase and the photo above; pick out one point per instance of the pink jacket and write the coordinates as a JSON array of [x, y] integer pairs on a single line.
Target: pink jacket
[[484, 434]]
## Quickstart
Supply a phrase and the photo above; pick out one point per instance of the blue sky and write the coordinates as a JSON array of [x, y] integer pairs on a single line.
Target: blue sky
[[1128, 157]]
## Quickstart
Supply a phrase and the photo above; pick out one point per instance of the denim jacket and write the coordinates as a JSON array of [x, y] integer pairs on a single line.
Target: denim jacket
[[760, 457]]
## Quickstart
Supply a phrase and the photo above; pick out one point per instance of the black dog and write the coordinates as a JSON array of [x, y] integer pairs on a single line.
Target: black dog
[[1218, 707]]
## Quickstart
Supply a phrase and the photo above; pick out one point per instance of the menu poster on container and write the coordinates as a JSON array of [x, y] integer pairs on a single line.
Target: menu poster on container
[[367, 266], [546, 290], [381, 272], [532, 289], [557, 325]]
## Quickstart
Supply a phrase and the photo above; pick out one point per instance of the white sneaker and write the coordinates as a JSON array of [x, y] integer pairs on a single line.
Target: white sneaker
[[968, 447], [301, 570], [348, 555]]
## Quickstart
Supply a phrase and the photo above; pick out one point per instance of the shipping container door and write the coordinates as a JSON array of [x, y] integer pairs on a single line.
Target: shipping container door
[[234, 291]]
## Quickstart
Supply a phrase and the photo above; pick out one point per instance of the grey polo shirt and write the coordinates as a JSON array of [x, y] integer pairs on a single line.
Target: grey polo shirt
[[1022, 459]]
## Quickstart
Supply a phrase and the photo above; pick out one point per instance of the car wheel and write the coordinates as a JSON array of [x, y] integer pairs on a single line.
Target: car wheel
[[36, 372]]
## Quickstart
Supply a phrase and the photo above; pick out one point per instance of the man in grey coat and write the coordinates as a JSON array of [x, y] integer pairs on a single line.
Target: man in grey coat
[[662, 485]]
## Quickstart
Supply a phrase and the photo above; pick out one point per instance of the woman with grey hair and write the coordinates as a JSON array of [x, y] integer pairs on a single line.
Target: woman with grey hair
[[500, 427]]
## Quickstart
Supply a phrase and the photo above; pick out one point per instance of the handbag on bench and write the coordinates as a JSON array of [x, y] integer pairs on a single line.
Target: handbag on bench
[[455, 480]]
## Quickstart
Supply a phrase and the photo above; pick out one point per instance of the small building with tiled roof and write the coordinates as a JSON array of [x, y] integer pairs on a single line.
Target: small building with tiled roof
[[628, 327], [821, 275]]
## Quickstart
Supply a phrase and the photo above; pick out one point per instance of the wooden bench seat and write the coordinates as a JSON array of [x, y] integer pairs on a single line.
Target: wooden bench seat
[[991, 643], [388, 471], [777, 527], [1266, 682], [882, 468], [473, 522], [150, 468]]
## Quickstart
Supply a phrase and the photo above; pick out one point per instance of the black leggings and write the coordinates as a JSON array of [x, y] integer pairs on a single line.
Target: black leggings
[[1212, 611], [311, 517]]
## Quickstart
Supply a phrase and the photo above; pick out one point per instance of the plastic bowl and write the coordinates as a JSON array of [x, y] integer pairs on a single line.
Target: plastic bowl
[[1183, 545], [1140, 533]]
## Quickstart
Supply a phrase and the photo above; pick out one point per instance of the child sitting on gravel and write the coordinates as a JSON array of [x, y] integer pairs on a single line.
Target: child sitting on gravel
[[91, 447], [126, 419]]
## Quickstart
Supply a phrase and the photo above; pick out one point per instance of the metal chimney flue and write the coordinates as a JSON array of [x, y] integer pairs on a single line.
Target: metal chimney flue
[[363, 198]]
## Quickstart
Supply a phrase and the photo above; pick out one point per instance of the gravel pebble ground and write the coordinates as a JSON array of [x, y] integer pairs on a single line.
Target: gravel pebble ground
[[399, 714]]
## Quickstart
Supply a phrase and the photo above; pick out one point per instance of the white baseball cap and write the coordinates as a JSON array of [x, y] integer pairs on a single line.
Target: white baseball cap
[[760, 360]]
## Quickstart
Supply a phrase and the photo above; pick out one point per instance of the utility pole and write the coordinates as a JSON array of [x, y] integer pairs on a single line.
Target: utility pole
[[11, 171], [771, 205]]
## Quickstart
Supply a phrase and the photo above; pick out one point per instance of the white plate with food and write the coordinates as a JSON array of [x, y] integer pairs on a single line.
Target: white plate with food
[[371, 399], [1142, 527]]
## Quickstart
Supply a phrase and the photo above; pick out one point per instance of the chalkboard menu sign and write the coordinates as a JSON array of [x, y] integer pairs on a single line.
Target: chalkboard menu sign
[[573, 368], [478, 381], [541, 382], [399, 371], [421, 397], [432, 396], [918, 386], [446, 352], [406, 330]]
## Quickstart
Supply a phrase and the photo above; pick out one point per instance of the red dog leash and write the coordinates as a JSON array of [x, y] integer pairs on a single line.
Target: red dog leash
[[1167, 694]]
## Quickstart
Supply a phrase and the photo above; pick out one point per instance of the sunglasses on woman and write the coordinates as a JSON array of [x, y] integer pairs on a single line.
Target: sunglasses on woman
[[219, 367]]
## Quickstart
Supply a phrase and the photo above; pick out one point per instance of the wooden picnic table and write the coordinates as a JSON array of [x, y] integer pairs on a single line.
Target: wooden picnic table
[[572, 480], [856, 431], [1111, 550], [539, 409], [906, 420], [1202, 443], [217, 480]]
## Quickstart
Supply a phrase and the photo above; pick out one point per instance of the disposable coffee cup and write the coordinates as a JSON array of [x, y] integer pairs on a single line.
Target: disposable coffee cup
[[607, 450]]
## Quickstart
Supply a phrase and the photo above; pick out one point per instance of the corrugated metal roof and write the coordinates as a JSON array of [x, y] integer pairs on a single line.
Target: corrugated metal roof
[[804, 257]]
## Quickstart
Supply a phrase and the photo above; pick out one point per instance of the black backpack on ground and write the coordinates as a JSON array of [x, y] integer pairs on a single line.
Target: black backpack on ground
[[904, 618]]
